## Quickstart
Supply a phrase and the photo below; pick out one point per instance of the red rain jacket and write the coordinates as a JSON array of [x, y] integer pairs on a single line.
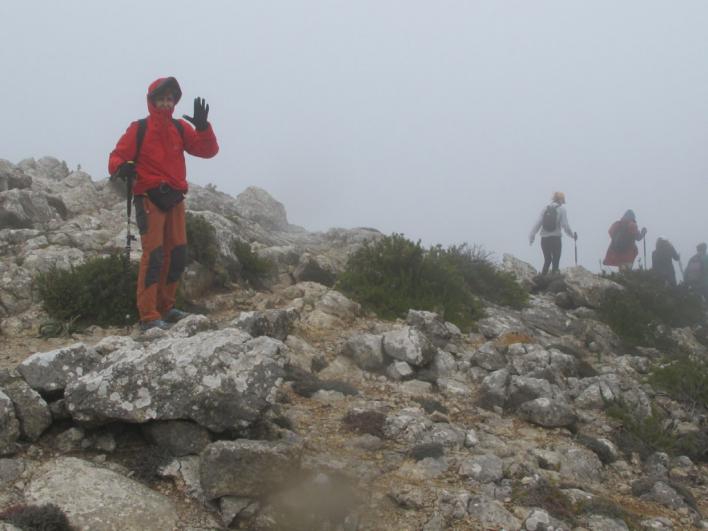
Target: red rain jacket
[[161, 157], [616, 258]]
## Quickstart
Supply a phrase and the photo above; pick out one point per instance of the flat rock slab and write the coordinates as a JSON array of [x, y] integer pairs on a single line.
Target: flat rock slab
[[219, 379], [98, 499]]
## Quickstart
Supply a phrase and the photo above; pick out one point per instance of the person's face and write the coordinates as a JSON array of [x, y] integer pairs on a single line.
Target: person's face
[[166, 100]]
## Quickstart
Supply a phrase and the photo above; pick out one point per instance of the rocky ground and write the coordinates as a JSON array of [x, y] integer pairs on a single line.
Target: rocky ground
[[291, 408]]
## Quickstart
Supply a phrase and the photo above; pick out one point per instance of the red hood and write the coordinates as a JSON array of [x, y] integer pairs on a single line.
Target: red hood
[[158, 85]]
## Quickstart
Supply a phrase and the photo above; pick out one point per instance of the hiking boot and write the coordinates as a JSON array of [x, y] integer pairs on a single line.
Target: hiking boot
[[157, 323], [174, 315]]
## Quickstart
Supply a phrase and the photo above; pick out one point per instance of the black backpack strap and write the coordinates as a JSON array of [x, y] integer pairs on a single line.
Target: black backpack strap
[[142, 127], [179, 127]]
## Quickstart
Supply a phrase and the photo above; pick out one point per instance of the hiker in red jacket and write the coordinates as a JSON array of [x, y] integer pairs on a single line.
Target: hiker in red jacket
[[152, 152], [623, 248]]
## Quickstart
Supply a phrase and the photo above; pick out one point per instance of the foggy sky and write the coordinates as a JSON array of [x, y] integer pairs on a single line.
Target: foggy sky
[[448, 121]]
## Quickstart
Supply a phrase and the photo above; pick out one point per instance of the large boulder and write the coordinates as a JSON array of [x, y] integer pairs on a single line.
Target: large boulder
[[548, 413], [26, 208], [410, 345], [366, 350], [585, 288], [258, 205], [222, 380], [99, 499], [247, 468]]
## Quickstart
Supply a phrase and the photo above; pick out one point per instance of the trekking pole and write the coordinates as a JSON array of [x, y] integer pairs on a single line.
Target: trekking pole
[[644, 240], [575, 241], [128, 239]]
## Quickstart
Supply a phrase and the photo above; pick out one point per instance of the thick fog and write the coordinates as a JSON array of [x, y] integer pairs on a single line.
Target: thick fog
[[448, 121]]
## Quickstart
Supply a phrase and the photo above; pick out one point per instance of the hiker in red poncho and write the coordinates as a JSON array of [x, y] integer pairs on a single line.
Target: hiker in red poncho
[[152, 152], [623, 248]]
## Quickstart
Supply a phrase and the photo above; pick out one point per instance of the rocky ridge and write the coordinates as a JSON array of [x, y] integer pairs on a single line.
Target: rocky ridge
[[291, 408]]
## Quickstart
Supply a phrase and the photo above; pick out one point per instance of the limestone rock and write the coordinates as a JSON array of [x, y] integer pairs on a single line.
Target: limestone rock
[[52, 371], [179, 437], [97, 498], [431, 325], [410, 345], [9, 426], [247, 468], [585, 288], [221, 380], [31, 409], [271, 323], [366, 350], [548, 413]]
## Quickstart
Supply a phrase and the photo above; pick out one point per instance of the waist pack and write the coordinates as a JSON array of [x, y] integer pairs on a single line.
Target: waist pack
[[165, 197]]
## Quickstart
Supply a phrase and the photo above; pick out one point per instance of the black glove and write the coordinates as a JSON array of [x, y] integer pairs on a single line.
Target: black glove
[[201, 111], [125, 171]]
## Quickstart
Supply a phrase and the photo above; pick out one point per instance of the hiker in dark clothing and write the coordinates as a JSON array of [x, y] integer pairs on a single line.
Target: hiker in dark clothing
[[156, 160], [662, 261], [696, 274], [623, 248], [553, 218]]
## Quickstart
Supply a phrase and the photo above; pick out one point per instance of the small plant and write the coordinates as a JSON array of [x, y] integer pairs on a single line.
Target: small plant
[[47, 517], [547, 496], [685, 380], [371, 422], [201, 237], [253, 269], [100, 291]]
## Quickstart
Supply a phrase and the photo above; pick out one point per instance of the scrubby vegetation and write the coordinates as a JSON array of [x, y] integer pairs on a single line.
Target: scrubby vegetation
[[47, 517], [394, 274], [99, 291], [654, 433], [641, 313], [685, 380], [253, 269], [202, 246]]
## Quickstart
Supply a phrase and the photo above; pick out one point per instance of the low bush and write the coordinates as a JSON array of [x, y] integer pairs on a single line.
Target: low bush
[[99, 291], [641, 313], [394, 274], [47, 517], [253, 269], [201, 237], [645, 436], [371, 422], [685, 380]]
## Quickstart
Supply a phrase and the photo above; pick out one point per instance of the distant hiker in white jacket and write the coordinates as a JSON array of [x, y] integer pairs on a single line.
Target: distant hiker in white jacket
[[553, 218]]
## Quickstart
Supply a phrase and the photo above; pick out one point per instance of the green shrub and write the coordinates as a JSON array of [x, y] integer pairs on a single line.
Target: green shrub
[[394, 274], [95, 292], [641, 313], [253, 269], [201, 241], [685, 380], [652, 434], [483, 278]]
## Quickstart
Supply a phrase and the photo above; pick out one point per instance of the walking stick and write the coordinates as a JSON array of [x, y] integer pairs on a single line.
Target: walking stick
[[645, 250], [575, 241]]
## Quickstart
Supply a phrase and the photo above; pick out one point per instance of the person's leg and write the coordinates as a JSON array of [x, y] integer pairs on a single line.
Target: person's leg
[[175, 238], [547, 256], [556, 252], [150, 221]]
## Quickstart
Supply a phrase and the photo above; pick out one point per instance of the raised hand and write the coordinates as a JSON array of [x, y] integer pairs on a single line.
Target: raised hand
[[201, 112]]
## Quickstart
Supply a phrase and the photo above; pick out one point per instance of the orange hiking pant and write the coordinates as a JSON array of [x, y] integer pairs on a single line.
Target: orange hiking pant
[[164, 240]]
